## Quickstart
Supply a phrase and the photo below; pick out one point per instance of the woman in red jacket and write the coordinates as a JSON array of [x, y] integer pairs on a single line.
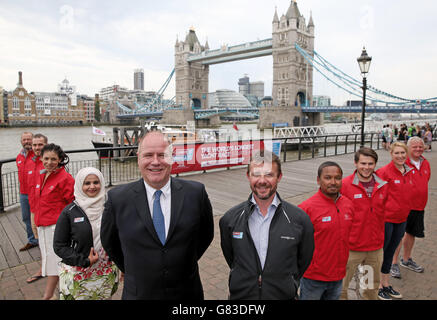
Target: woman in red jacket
[[399, 178], [54, 190]]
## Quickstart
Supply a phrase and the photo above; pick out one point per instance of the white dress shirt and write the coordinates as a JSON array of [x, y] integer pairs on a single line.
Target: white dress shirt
[[259, 227], [165, 201]]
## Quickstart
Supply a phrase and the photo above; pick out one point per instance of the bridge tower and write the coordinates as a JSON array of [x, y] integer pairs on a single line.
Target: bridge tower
[[191, 77], [292, 76]]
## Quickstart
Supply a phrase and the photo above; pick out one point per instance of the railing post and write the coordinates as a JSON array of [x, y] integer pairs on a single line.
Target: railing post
[[110, 171], [345, 144], [285, 150], [336, 144], [355, 143], [371, 140], [99, 154], [300, 148], [2, 207], [312, 147], [325, 146]]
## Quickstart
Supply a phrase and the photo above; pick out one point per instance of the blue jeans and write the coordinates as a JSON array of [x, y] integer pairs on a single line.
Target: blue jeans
[[320, 290], [394, 232], [25, 214]]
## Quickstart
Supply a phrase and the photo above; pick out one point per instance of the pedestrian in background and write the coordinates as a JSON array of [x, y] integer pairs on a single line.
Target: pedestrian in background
[[86, 273], [331, 214], [53, 192]]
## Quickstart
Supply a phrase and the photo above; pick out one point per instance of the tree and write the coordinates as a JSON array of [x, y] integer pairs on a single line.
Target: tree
[[97, 115]]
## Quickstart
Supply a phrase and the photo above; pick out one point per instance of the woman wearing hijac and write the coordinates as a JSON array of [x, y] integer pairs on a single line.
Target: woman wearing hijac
[[86, 272], [397, 207], [53, 191]]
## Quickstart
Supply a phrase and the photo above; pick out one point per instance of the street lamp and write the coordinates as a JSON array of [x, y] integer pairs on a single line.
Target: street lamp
[[364, 63]]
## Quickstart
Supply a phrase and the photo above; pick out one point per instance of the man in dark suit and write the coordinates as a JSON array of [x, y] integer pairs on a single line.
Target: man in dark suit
[[156, 229]]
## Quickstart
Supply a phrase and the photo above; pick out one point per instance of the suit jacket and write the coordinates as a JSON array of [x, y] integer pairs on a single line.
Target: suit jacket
[[152, 270]]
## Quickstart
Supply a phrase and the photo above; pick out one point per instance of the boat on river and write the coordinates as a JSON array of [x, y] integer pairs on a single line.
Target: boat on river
[[177, 135]]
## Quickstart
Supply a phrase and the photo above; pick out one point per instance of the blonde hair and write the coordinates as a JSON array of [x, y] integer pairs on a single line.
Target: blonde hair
[[398, 144]]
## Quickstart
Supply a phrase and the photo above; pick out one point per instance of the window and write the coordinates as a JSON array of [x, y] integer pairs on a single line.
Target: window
[[15, 103], [27, 104]]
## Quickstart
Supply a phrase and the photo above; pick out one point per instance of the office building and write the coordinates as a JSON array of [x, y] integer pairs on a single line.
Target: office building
[[138, 79]]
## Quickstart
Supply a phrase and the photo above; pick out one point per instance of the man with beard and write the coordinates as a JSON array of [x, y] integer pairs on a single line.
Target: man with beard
[[267, 242], [331, 215], [368, 193], [22, 159]]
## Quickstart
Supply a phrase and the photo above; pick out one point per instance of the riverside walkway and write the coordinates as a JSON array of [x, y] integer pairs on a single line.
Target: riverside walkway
[[227, 188]]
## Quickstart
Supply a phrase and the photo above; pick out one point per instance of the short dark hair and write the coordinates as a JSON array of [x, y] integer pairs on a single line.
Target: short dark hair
[[365, 151], [63, 158], [328, 164], [262, 156], [40, 135]]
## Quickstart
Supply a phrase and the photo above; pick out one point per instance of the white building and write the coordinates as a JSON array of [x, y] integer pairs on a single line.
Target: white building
[[109, 93], [227, 98]]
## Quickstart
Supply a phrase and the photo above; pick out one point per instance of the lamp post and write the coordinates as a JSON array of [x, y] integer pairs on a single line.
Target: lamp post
[[364, 63]]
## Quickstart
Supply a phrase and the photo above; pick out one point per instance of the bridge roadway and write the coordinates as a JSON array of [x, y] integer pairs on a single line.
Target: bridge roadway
[[227, 188], [254, 112]]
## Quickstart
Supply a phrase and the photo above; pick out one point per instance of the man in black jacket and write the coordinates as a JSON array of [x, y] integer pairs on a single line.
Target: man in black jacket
[[268, 243]]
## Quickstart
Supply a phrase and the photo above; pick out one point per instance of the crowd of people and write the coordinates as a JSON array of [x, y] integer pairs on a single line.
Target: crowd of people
[[391, 133], [151, 233]]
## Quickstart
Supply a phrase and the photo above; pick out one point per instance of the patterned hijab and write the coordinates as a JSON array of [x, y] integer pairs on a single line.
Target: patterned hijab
[[93, 207]]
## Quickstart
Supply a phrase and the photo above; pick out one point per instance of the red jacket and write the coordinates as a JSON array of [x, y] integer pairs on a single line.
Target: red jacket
[[367, 232], [52, 197], [33, 169], [398, 204], [420, 189], [332, 222], [22, 159]]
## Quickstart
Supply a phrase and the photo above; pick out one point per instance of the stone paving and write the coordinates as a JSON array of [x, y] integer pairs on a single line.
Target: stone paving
[[214, 270]]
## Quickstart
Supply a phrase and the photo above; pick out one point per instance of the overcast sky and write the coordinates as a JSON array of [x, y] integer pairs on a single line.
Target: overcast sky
[[95, 44]]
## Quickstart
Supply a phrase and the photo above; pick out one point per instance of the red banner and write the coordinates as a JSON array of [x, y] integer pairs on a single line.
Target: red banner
[[206, 156]]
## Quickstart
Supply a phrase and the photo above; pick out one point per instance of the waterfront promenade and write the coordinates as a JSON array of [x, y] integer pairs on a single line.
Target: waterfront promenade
[[227, 188]]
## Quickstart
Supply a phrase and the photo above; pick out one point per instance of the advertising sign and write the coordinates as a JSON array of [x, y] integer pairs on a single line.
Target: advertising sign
[[206, 156]]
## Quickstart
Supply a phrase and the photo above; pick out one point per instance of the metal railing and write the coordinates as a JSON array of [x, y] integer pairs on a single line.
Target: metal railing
[[121, 168]]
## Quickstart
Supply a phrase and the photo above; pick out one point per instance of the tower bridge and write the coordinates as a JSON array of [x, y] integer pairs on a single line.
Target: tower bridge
[[294, 62]]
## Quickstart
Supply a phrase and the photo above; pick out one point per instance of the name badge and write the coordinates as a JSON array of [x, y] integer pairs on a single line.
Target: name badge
[[30, 172], [81, 219], [358, 196], [326, 219], [397, 181], [37, 186], [237, 235]]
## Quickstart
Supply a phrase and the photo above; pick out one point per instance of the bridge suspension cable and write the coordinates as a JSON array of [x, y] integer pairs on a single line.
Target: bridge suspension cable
[[352, 85]]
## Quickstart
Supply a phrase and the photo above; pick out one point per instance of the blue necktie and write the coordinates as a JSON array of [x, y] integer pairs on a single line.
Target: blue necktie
[[158, 217]]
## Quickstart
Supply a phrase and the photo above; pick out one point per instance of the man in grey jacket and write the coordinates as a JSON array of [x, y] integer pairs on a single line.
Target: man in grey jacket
[[268, 243]]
